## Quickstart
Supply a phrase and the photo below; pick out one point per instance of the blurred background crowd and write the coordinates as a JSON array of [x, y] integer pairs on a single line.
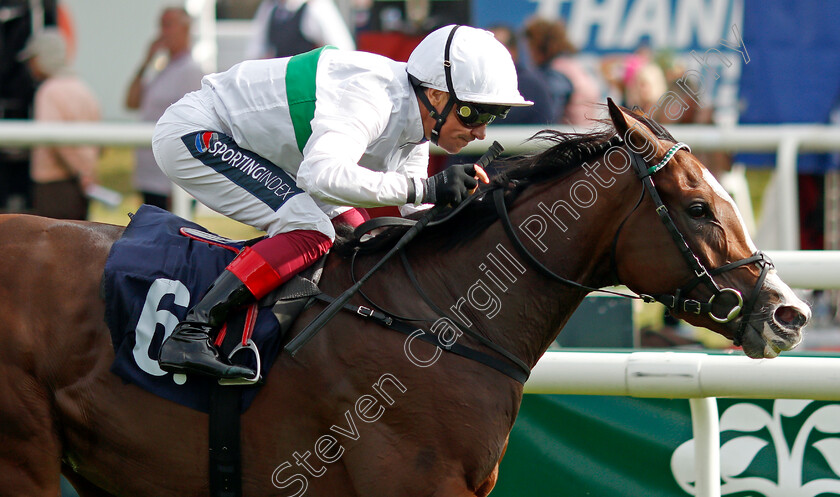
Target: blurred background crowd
[[723, 63], [567, 85]]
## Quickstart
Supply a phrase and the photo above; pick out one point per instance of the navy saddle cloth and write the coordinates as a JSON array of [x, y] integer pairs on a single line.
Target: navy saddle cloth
[[154, 274]]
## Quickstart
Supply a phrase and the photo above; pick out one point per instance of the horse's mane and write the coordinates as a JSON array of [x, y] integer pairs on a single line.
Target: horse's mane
[[567, 152]]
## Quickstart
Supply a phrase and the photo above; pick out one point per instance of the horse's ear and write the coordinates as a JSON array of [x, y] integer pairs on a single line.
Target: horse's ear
[[633, 132], [617, 117]]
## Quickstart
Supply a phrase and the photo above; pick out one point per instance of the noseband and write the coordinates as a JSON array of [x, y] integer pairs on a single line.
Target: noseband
[[678, 299]]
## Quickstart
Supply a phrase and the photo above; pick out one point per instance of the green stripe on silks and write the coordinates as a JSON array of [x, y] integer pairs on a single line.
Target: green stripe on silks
[[300, 92]]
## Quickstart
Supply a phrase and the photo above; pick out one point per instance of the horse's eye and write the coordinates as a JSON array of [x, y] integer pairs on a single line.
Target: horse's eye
[[698, 210]]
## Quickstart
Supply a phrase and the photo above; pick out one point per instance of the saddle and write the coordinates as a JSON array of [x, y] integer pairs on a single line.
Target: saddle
[[159, 269], [156, 272]]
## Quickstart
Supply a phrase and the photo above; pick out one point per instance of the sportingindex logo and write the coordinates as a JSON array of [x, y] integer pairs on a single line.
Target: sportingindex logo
[[256, 174], [203, 140]]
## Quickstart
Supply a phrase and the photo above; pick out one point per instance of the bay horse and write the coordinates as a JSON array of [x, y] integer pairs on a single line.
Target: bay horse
[[361, 410]]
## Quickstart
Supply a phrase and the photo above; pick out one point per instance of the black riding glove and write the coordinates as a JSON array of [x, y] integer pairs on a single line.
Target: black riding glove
[[450, 186]]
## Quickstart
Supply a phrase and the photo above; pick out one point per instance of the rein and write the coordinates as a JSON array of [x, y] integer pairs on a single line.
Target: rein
[[678, 299], [515, 367]]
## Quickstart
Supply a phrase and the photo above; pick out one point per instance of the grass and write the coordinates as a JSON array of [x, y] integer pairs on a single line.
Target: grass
[[758, 180]]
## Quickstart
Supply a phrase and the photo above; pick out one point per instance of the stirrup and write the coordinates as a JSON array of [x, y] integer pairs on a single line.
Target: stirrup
[[244, 381]]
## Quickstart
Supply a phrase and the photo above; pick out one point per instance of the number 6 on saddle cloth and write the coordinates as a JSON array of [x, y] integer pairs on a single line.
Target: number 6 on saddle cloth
[[155, 273]]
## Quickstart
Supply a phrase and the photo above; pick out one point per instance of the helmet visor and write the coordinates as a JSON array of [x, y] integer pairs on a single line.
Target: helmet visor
[[474, 115]]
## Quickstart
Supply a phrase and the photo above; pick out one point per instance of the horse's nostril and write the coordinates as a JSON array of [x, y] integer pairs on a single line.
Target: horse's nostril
[[789, 317]]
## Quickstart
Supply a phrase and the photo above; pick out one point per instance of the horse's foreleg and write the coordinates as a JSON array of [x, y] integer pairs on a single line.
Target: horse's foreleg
[[30, 449], [489, 483], [493, 477], [83, 487], [455, 487]]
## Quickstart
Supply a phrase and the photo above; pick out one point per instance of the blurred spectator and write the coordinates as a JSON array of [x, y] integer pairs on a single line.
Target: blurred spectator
[[636, 61], [575, 90], [17, 90], [287, 27], [692, 112], [620, 71], [394, 27], [543, 42], [153, 95], [531, 85], [60, 173], [646, 87]]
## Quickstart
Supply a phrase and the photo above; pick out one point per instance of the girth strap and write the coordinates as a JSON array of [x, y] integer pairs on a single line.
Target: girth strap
[[470, 333], [225, 465], [412, 331]]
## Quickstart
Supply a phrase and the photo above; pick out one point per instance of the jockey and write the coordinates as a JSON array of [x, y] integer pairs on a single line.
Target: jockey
[[285, 145]]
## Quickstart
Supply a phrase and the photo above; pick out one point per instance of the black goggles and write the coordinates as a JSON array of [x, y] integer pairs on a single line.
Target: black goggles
[[475, 115]]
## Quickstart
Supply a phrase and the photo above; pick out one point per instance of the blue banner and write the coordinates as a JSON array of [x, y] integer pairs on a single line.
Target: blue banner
[[700, 38], [762, 61], [794, 72], [615, 26]]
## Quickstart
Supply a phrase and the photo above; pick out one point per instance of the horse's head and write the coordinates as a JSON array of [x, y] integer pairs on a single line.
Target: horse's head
[[716, 277]]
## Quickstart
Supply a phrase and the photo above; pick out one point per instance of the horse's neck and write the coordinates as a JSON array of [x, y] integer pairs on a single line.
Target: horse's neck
[[488, 286]]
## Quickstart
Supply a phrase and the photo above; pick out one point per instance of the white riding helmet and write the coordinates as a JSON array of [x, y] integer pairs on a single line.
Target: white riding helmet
[[480, 67]]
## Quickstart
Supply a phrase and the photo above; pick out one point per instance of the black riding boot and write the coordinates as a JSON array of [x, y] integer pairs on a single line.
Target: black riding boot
[[190, 348]]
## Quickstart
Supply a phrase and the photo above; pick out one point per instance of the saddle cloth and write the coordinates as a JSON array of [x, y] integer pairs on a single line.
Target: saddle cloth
[[154, 274]]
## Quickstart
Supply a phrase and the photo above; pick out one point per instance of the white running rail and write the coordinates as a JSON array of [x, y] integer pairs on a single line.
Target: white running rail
[[785, 140], [695, 376]]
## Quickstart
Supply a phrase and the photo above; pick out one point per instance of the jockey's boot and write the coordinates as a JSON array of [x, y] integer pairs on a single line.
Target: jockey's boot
[[252, 275], [190, 348]]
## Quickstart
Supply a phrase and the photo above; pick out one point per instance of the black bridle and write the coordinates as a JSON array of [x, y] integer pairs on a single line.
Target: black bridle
[[678, 300]]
